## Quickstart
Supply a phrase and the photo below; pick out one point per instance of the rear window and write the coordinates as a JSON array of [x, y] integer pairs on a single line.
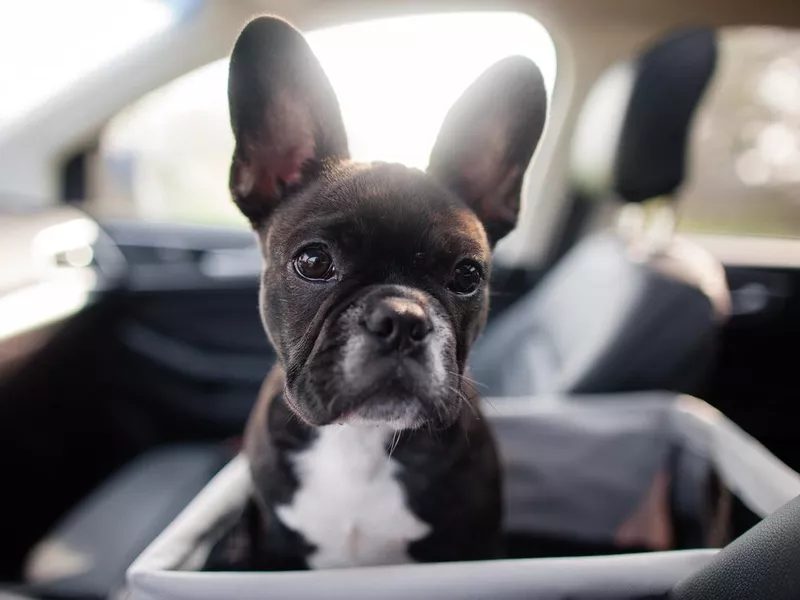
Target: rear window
[[745, 160], [167, 156]]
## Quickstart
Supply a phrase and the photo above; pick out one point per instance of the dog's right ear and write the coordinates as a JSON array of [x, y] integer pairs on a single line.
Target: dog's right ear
[[284, 114]]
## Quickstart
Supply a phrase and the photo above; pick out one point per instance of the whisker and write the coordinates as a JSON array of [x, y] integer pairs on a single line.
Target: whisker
[[395, 442], [472, 408], [467, 401], [458, 392], [468, 380]]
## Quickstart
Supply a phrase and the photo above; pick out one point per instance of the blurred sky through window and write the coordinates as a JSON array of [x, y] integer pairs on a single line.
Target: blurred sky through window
[[47, 45]]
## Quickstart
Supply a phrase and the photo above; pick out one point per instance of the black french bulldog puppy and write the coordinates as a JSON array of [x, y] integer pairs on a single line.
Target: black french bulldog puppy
[[367, 446]]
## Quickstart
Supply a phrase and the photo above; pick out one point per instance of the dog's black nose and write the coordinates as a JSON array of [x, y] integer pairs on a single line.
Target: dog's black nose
[[398, 322]]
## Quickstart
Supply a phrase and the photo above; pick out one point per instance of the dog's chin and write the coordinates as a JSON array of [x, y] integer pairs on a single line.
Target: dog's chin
[[397, 394], [396, 413]]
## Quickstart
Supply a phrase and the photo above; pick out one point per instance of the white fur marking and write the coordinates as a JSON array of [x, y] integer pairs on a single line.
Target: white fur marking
[[349, 504]]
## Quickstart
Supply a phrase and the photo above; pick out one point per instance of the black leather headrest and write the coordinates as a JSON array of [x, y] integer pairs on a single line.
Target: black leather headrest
[[636, 122]]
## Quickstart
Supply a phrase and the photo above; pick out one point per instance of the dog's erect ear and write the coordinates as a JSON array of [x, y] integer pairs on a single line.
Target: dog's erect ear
[[284, 115], [487, 140]]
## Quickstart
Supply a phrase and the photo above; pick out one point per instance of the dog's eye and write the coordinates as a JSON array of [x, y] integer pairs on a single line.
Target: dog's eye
[[467, 276], [314, 263]]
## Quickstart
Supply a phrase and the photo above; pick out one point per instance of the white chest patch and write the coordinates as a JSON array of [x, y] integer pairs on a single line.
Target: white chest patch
[[349, 504]]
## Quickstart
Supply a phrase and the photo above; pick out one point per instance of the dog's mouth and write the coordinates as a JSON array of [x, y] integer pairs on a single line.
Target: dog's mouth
[[396, 391]]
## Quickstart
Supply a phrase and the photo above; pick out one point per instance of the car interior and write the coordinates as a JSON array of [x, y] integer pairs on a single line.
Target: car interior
[[131, 348], [592, 322]]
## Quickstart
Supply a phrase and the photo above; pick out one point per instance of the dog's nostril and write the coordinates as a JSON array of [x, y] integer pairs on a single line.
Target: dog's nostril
[[419, 330], [381, 325]]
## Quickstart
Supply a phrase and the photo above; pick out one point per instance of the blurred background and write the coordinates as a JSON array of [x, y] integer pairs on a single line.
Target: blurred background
[[164, 155], [658, 247]]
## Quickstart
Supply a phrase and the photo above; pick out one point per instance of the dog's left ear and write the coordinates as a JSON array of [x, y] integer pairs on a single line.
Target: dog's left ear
[[488, 138]]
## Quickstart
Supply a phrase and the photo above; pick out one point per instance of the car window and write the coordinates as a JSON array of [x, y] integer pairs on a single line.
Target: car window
[[744, 175], [39, 57], [167, 156]]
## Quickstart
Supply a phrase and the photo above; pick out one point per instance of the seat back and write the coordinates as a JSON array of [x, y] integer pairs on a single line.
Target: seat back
[[621, 312]]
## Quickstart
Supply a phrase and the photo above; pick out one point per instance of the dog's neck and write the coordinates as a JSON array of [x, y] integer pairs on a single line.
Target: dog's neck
[[349, 452]]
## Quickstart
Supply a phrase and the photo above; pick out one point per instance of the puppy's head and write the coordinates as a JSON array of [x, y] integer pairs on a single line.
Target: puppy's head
[[375, 275]]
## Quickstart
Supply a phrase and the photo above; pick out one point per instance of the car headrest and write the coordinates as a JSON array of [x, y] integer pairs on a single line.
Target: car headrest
[[631, 139]]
